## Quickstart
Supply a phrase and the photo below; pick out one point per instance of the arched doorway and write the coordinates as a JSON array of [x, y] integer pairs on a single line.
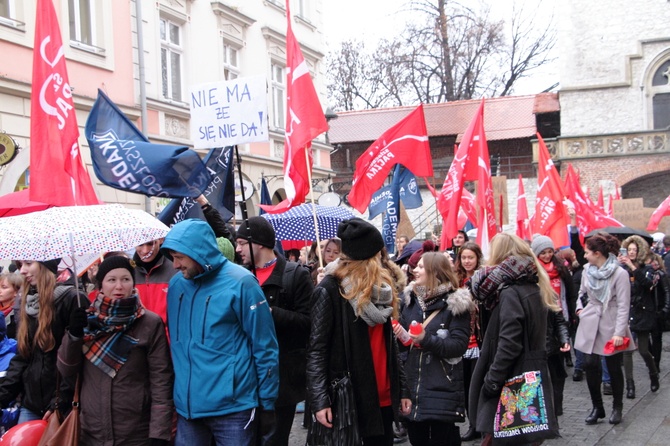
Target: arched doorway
[[653, 188]]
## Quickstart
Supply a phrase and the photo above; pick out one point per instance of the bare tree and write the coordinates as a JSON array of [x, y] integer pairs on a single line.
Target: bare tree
[[452, 52]]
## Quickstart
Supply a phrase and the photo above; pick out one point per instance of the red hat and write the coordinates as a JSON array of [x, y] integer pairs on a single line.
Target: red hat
[[427, 246]]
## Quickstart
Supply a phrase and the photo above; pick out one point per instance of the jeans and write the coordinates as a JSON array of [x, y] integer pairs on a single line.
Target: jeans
[[641, 338], [28, 415], [236, 428], [606, 373], [579, 360]]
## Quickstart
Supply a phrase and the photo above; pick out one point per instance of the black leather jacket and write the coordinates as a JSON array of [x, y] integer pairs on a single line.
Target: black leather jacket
[[326, 358], [557, 332]]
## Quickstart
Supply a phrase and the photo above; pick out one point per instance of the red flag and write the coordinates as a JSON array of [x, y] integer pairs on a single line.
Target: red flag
[[468, 153], [405, 143], [551, 218], [57, 173], [469, 207], [589, 217], [304, 122], [601, 200], [486, 226], [522, 213], [660, 212], [617, 196]]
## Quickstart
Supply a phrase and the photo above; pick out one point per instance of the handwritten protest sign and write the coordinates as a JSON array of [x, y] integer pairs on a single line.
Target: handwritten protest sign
[[229, 112]]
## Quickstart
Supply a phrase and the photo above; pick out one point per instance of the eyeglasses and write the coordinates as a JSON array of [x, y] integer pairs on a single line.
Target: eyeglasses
[[242, 243]]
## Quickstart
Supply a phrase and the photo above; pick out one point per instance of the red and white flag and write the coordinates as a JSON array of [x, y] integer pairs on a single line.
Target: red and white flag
[[305, 121], [405, 143], [469, 207], [617, 195], [522, 213], [589, 217], [610, 207], [551, 217], [467, 154], [662, 211], [57, 172]]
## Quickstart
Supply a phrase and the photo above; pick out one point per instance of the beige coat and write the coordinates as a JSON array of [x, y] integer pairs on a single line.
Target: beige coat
[[597, 325]]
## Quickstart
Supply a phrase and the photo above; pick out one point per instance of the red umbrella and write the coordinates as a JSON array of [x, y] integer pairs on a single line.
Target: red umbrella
[[18, 203], [295, 244]]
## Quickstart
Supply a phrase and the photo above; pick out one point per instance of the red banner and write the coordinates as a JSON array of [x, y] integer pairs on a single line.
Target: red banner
[[551, 218], [522, 213], [304, 122], [660, 212], [405, 143], [57, 173]]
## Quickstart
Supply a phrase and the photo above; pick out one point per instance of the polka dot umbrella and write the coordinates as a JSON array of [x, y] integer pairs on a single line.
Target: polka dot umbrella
[[298, 222], [75, 230]]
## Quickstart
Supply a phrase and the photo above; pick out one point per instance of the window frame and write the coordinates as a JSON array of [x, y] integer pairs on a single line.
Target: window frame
[[170, 48], [278, 87]]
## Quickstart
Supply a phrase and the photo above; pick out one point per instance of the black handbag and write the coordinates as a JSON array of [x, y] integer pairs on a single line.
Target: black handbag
[[525, 412], [345, 431]]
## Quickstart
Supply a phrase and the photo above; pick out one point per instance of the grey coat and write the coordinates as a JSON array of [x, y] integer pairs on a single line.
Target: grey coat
[[137, 404], [597, 324]]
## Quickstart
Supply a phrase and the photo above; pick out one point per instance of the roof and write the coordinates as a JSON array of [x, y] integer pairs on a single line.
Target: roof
[[506, 117]]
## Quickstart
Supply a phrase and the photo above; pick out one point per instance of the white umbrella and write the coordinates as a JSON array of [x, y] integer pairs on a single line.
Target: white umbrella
[[76, 230]]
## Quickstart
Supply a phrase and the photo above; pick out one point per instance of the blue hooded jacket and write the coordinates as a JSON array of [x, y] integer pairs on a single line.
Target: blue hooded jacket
[[223, 341]]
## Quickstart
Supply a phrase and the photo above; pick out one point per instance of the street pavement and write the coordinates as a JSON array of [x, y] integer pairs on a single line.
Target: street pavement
[[646, 419]]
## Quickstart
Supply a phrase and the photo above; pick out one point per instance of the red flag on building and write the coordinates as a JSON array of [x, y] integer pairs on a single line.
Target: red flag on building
[[57, 172], [522, 213], [405, 143], [305, 121], [588, 215], [450, 197], [551, 217], [660, 212]]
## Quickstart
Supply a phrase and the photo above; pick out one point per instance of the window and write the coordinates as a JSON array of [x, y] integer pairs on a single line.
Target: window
[[278, 149], [82, 23], [6, 8], [661, 96], [231, 67], [303, 9], [278, 95], [171, 55]]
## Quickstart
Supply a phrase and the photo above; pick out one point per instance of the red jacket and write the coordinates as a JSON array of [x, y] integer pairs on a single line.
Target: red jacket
[[152, 285]]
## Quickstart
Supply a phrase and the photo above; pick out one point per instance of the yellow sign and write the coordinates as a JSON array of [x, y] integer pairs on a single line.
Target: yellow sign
[[7, 149]]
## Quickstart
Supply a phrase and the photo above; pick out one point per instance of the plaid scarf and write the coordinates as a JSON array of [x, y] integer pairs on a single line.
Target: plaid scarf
[[105, 343], [486, 282]]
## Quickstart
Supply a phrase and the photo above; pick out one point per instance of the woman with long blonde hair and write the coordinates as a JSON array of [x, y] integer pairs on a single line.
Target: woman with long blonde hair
[[352, 336], [515, 290], [46, 309]]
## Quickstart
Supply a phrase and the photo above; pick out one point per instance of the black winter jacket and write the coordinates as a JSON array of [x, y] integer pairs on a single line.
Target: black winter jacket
[[326, 358], [520, 308], [288, 290], [642, 299], [662, 292], [35, 377], [435, 370]]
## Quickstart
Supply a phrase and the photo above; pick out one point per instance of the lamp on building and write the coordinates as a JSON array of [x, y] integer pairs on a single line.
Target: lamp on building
[[330, 115]]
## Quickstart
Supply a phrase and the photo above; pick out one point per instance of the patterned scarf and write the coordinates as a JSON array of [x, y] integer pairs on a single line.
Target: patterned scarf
[[380, 307], [105, 343], [598, 279], [425, 299], [487, 281]]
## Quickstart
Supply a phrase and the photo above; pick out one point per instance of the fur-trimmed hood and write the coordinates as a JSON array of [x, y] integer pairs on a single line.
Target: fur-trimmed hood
[[642, 248], [459, 301]]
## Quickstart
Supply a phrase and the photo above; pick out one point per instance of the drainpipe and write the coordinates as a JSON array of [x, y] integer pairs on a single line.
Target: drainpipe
[[143, 89]]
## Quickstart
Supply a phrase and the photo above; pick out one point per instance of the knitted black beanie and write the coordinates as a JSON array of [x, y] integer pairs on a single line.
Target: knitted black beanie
[[360, 239]]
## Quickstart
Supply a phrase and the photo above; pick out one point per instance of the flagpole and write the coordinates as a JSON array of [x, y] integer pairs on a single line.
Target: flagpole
[[243, 208], [316, 220]]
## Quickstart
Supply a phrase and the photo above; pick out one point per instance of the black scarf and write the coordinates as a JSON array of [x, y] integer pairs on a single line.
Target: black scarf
[[486, 282]]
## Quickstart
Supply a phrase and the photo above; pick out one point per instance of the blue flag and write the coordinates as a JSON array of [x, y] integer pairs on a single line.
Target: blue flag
[[220, 193], [265, 195], [123, 158], [409, 193], [392, 212]]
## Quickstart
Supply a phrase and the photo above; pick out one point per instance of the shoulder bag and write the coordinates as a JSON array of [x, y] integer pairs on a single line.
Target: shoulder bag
[[345, 431], [67, 432]]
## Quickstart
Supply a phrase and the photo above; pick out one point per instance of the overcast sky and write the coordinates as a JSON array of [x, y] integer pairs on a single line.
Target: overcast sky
[[374, 19]]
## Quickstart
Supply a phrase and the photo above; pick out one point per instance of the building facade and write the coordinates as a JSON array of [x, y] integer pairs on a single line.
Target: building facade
[[183, 43]]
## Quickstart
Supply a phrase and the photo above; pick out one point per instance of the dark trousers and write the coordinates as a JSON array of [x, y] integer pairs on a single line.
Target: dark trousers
[[387, 438], [593, 369], [278, 435], [468, 369], [657, 345], [433, 433], [557, 372]]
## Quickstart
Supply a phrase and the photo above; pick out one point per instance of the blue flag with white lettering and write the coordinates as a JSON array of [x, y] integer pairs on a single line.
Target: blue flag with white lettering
[[265, 195], [123, 158], [220, 193], [408, 191], [392, 212]]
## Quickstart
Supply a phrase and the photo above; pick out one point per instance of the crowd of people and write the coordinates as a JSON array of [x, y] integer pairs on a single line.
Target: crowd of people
[[216, 336]]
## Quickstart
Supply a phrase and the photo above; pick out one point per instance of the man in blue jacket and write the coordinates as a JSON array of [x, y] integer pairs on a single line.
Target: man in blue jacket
[[223, 342]]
